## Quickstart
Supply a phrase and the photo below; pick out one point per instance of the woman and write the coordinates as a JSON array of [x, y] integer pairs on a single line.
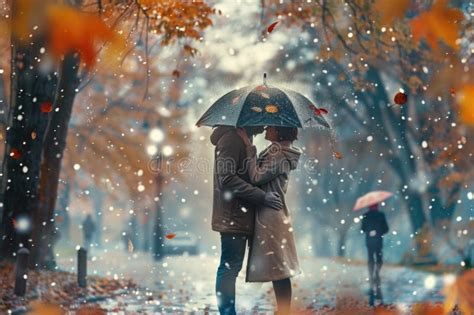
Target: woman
[[272, 255]]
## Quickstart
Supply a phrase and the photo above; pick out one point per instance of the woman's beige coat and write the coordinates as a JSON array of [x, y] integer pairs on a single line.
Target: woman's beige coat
[[272, 253]]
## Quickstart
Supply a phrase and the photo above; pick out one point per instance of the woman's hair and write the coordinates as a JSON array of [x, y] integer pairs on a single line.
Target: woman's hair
[[287, 133]]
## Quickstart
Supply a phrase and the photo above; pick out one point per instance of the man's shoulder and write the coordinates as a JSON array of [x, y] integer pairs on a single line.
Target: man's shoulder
[[231, 138]]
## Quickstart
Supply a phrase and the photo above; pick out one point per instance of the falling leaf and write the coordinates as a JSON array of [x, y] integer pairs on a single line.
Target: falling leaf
[[130, 246], [14, 223], [389, 11], [439, 23], [15, 154], [33, 135], [272, 109], [400, 98], [170, 236], [46, 107], [59, 219], [338, 155], [272, 26], [465, 99], [176, 73], [256, 109]]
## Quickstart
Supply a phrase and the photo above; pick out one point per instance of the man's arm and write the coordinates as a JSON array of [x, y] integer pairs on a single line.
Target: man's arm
[[384, 224], [228, 153]]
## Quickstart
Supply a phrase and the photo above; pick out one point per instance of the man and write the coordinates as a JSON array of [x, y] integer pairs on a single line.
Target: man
[[374, 225], [233, 208]]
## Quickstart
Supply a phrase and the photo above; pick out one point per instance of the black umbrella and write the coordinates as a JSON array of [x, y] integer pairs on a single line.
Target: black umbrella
[[263, 105]]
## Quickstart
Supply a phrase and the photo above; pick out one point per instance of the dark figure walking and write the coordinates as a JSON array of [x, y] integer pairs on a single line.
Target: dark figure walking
[[374, 225], [233, 211], [88, 228]]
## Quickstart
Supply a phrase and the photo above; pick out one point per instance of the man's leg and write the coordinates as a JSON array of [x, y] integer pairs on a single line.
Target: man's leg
[[371, 264], [378, 262], [232, 256]]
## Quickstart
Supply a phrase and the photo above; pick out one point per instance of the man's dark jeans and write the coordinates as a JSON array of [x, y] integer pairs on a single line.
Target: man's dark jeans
[[232, 257]]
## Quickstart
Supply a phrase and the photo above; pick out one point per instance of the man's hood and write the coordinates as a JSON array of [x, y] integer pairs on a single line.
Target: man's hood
[[292, 154], [219, 132]]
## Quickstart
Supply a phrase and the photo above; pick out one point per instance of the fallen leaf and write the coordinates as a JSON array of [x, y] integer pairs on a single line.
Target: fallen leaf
[[170, 236], [400, 98], [42, 308], [272, 26]]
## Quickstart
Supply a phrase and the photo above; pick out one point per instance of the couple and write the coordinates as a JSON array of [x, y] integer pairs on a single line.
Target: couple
[[249, 206]]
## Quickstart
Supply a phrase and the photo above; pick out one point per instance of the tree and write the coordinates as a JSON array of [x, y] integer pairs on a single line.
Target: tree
[[365, 62], [37, 134]]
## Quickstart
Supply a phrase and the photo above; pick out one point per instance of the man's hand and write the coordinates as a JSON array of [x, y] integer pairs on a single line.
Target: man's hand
[[245, 137], [273, 200]]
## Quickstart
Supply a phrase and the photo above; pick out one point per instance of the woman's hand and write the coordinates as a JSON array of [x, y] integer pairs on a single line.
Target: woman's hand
[[245, 138]]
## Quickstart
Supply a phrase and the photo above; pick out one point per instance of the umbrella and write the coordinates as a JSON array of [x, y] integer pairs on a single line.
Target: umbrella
[[263, 105], [371, 198]]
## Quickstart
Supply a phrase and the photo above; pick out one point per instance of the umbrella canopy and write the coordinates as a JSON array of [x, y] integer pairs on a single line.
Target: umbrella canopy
[[371, 198], [263, 105]]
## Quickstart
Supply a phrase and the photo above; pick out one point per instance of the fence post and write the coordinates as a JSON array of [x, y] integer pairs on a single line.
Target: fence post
[[82, 267], [21, 271]]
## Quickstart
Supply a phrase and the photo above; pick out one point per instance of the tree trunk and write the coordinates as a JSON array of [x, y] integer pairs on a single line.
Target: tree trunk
[[30, 88], [55, 143], [98, 202], [63, 211]]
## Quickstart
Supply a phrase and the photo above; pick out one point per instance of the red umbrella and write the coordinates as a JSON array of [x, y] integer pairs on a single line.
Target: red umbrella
[[371, 198]]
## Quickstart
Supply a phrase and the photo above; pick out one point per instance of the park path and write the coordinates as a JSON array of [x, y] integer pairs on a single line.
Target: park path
[[182, 284]]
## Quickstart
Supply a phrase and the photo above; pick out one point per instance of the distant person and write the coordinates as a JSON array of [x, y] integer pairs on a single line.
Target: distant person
[[88, 228], [374, 225]]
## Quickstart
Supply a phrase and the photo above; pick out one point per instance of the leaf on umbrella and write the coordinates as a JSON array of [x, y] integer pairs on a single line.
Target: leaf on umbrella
[[15, 154], [256, 109], [235, 100], [46, 107], [170, 236], [389, 11], [130, 246], [466, 104], [265, 95], [323, 110], [271, 108], [400, 98], [272, 26], [74, 30], [261, 88], [439, 23]]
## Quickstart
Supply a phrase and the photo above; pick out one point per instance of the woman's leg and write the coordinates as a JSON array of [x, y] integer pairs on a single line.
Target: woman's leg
[[282, 290]]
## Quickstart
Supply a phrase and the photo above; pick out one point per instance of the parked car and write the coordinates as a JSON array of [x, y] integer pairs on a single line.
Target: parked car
[[183, 242]]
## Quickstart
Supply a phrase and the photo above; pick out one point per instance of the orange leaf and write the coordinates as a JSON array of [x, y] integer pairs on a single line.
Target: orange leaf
[[272, 26], [71, 30], [338, 155], [465, 99], [170, 236], [391, 10], [439, 23]]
